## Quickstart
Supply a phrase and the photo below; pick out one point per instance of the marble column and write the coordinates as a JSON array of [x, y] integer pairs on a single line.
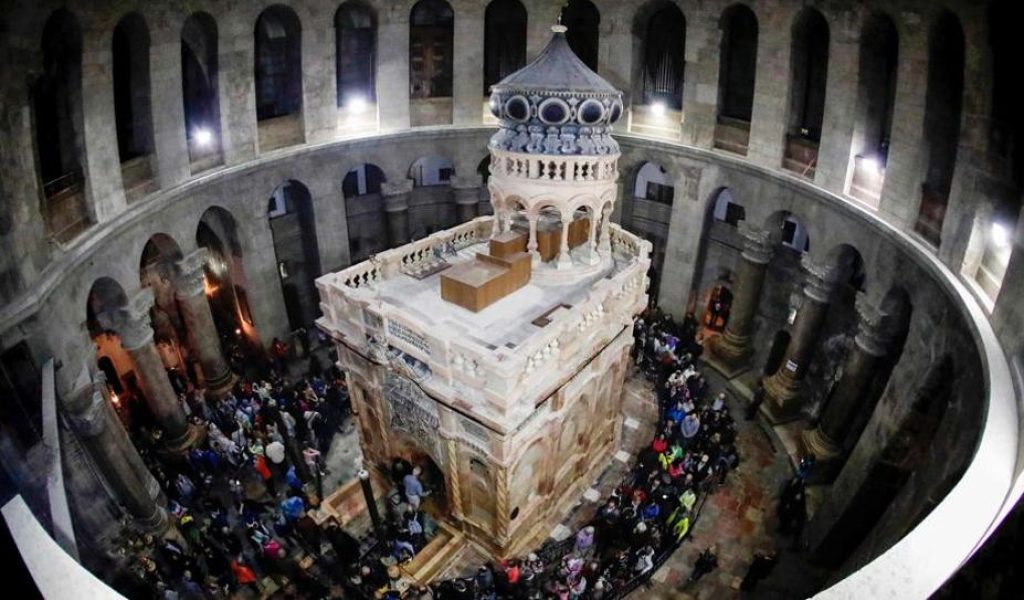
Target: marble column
[[103, 436], [605, 243], [396, 208], [564, 259], [733, 348], [393, 68], [466, 189], [784, 389], [848, 398], [531, 244], [202, 333], [132, 324]]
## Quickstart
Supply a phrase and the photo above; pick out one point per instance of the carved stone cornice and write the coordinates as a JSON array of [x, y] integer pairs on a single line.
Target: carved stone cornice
[[758, 243], [821, 279], [191, 274], [871, 335]]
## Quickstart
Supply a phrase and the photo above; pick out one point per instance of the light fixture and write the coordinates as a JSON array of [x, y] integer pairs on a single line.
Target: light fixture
[[203, 136], [356, 105], [658, 109], [1000, 235], [871, 164]]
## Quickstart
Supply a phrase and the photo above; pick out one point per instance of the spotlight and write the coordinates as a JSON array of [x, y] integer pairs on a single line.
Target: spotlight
[[658, 109], [238, 331], [203, 136], [871, 164], [357, 105], [1000, 235]]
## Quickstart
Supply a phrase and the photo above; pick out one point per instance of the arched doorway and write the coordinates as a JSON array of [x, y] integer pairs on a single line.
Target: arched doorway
[[133, 114], [809, 73], [200, 90], [293, 227], [504, 41], [737, 74], [583, 20], [278, 72], [364, 210]]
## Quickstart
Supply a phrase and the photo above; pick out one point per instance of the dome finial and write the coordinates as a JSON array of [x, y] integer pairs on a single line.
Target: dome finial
[[558, 27]]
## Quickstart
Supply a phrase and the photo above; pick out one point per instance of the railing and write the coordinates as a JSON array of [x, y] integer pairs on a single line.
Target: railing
[[554, 168], [354, 312]]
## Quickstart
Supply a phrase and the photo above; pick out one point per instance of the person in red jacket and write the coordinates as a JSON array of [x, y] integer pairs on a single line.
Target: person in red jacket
[[244, 575]]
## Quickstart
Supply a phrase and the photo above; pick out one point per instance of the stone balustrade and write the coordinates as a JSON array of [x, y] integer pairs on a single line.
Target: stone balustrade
[[575, 169], [354, 313]]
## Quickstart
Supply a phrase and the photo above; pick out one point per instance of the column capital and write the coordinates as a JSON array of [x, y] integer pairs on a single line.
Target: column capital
[[86, 409], [131, 322], [871, 335], [396, 188], [462, 182], [191, 274], [758, 243], [821, 279]]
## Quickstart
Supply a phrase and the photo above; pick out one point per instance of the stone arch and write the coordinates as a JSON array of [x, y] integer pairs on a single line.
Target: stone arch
[[504, 40], [942, 117], [293, 229], [849, 265], [364, 211], [727, 209], [431, 170], [227, 285], [809, 56], [278, 63], [738, 65], [659, 41], [875, 104], [355, 55], [57, 120], [431, 50], [133, 114], [583, 20], [792, 228], [434, 476], [200, 81]]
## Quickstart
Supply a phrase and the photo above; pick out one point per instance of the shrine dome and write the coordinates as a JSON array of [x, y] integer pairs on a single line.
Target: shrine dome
[[556, 105]]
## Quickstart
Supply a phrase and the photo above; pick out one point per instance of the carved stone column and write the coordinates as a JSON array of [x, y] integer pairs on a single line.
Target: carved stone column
[[784, 389], [103, 436], [203, 337], [564, 258], [733, 348], [531, 245], [133, 326], [592, 258], [466, 190], [826, 440], [605, 244], [454, 477], [396, 207]]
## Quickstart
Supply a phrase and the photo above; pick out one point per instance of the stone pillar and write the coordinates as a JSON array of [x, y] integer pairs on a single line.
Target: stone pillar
[[826, 440], [531, 245], [593, 258], [468, 78], [101, 164], [564, 259], [605, 244], [783, 390], [133, 326], [195, 311], [236, 49], [834, 159], [771, 88], [454, 477], [700, 90], [396, 207], [466, 190], [393, 68], [108, 445], [733, 348], [319, 92], [170, 146]]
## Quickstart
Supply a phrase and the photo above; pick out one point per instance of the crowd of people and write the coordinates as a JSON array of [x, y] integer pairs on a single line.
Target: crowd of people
[[239, 500]]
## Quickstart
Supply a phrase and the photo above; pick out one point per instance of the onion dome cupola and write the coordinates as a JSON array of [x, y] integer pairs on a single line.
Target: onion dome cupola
[[556, 105]]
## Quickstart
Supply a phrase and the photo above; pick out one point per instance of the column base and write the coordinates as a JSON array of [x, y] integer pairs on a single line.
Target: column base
[[564, 262], [782, 396], [829, 458], [155, 524], [729, 355], [220, 385], [192, 437]]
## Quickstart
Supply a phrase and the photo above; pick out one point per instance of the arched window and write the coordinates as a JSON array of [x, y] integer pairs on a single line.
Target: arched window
[[362, 180], [199, 86], [809, 74], [355, 27], [504, 40], [582, 19], [653, 183], [431, 171], [132, 111], [876, 97], [431, 29], [727, 210], [943, 104], [738, 63], [57, 119], [664, 58], [278, 64], [809, 70]]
